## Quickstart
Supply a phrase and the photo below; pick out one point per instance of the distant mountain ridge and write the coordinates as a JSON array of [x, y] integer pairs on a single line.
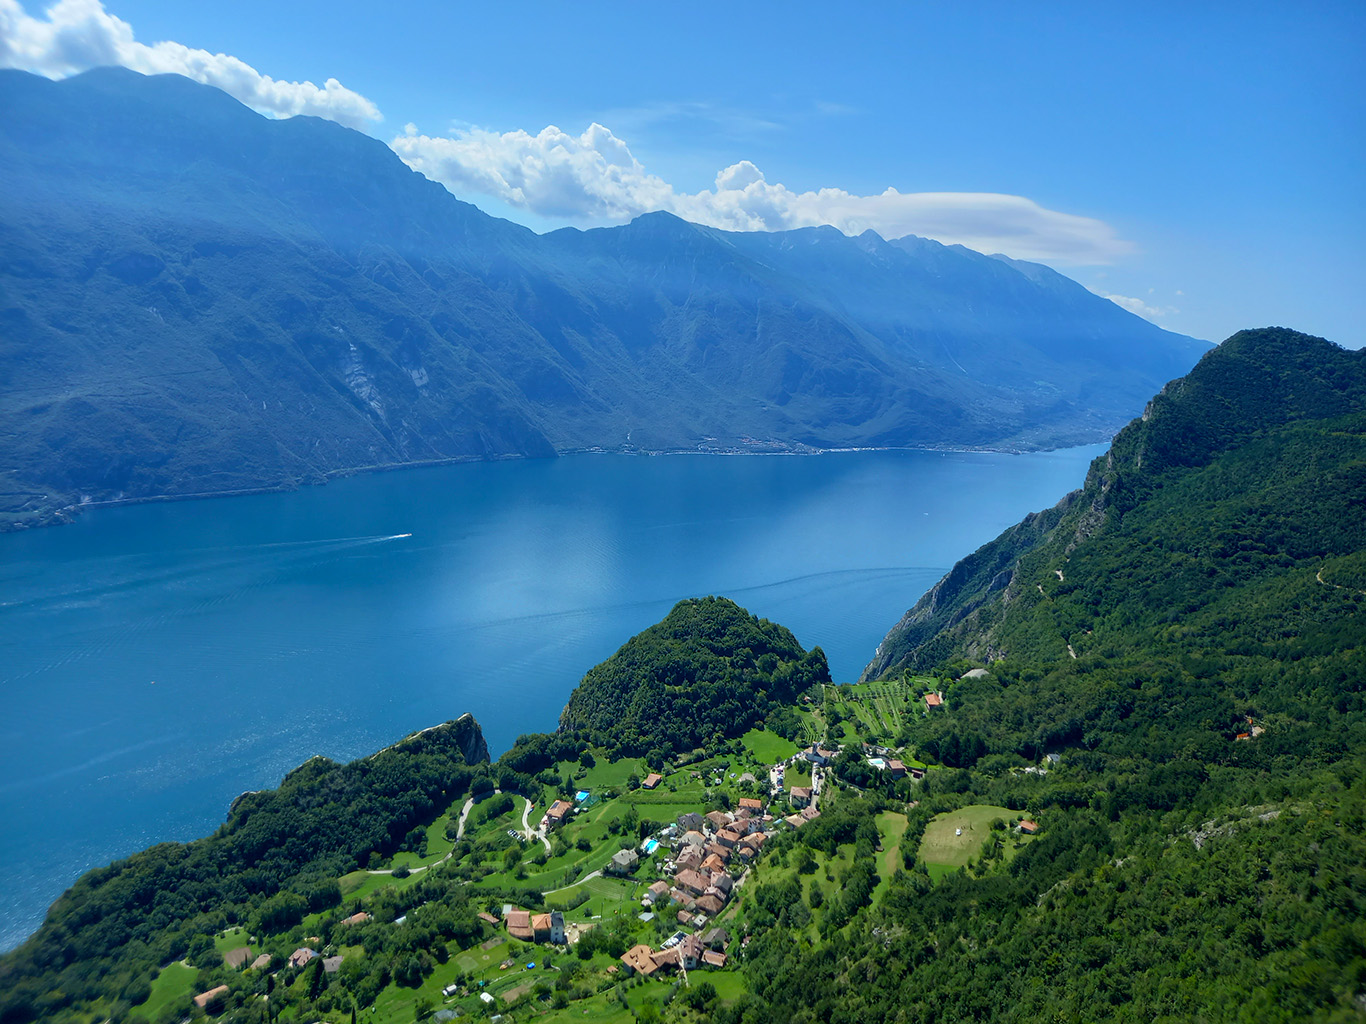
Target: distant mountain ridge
[[196, 299]]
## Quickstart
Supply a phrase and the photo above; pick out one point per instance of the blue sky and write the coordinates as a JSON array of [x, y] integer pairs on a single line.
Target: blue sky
[[1203, 163]]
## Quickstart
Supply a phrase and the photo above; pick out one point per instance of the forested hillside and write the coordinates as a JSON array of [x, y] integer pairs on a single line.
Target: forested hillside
[[274, 860], [708, 671], [1175, 655]]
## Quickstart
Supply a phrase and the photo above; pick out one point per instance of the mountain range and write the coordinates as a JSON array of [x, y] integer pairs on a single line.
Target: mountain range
[[195, 299]]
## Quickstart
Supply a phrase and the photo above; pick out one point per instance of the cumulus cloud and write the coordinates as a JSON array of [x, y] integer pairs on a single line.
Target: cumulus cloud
[[594, 178], [76, 35]]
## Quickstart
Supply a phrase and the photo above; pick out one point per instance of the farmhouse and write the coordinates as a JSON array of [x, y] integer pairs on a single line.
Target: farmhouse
[[558, 812], [519, 925], [652, 780]]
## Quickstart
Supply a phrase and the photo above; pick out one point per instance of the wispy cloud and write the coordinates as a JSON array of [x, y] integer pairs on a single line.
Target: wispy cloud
[[76, 35], [593, 178], [1139, 307]]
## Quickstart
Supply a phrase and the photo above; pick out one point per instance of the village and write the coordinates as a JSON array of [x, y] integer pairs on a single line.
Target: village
[[627, 881]]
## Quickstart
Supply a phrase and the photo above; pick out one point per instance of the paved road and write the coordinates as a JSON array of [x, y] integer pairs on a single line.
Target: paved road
[[528, 831], [459, 834]]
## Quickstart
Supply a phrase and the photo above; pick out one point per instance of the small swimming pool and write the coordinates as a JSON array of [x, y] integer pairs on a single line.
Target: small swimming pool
[[581, 795], [651, 845]]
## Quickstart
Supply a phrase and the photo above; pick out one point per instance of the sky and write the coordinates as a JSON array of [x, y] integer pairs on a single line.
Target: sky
[[1199, 164]]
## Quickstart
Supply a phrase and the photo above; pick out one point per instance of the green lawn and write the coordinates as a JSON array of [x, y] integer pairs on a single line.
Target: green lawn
[[729, 985], [944, 852], [359, 884], [174, 984], [768, 747], [890, 827], [604, 774], [234, 938]]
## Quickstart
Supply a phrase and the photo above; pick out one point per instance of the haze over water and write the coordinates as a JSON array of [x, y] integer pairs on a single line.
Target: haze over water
[[157, 660]]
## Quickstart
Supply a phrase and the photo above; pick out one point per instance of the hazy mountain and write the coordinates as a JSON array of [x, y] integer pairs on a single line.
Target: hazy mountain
[[194, 298]]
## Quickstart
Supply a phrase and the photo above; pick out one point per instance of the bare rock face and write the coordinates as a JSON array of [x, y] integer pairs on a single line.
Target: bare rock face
[[471, 739]]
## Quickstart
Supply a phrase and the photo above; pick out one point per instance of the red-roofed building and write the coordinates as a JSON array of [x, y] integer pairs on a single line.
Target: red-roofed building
[[557, 813], [640, 959], [652, 780], [519, 925], [692, 881], [710, 904], [211, 996], [751, 803], [934, 702], [1029, 827]]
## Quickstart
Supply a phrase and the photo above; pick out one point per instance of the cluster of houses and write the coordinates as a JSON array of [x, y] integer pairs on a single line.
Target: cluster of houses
[[699, 949]]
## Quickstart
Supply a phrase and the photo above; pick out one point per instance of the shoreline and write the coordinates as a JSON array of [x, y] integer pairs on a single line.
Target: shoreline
[[67, 514]]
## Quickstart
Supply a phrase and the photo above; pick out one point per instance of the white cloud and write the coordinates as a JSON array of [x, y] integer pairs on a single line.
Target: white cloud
[[77, 35], [594, 178], [1139, 307]]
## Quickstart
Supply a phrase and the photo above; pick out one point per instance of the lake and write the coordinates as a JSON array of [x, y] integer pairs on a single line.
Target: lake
[[157, 660]]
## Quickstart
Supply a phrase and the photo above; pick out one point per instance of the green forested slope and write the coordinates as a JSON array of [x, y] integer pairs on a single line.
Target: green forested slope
[[275, 859], [1202, 853], [709, 670]]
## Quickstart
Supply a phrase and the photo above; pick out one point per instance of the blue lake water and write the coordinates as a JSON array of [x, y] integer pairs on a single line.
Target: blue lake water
[[157, 660]]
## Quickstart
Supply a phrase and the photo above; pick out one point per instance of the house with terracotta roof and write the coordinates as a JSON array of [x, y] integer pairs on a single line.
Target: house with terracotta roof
[[728, 837], [691, 857], [652, 780], [795, 820], [639, 959], [711, 864], [692, 881], [800, 796], [809, 813], [558, 813], [484, 915], [213, 995], [658, 892], [896, 768], [519, 925], [1029, 827], [690, 951], [934, 702], [718, 820], [357, 918], [751, 803], [711, 958], [301, 956], [818, 755], [710, 904]]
